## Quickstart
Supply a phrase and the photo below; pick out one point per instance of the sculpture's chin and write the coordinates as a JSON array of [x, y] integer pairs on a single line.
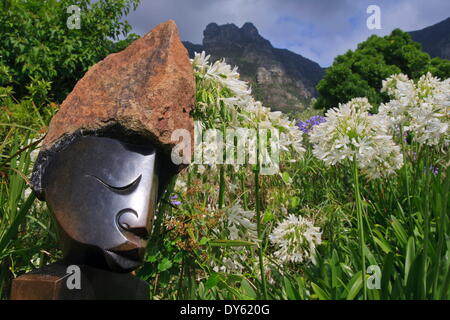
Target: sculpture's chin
[[120, 263], [118, 259]]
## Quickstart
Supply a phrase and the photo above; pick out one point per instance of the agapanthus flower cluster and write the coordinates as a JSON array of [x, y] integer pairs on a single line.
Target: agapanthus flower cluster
[[296, 239], [244, 110], [306, 126], [422, 109], [221, 73], [351, 133], [241, 224], [238, 224]]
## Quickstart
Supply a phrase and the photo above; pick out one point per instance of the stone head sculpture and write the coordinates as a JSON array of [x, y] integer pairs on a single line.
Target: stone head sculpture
[[103, 194], [105, 161]]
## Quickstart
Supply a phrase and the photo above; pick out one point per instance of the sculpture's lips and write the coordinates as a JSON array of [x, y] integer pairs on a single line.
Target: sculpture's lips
[[136, 254], [129, 250]]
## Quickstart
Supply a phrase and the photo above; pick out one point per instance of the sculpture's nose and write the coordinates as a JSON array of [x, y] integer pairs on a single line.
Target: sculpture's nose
[[130, 221]]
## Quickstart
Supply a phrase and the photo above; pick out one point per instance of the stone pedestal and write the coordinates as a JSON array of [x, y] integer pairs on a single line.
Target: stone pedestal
[[51, 283]]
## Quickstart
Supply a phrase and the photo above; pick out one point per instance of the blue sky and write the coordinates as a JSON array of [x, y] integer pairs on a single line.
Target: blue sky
[[316, 29]]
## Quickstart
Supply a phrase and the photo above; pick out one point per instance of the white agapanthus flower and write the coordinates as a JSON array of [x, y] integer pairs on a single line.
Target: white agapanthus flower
[[421, 109], [350, 133], [245, 110], [296, 239], [230, 264], [200, 62], [221, 73], [238, 224]]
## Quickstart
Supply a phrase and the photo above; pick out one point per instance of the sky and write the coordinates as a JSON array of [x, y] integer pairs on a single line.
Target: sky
[[317, 29]]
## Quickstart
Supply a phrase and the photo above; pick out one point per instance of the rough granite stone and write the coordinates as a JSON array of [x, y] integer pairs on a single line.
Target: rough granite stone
[[148, 88]]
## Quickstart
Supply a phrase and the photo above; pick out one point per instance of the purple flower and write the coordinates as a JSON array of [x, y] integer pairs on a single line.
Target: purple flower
[[434, 169], [307, 125], [173, 200], [405, 137]]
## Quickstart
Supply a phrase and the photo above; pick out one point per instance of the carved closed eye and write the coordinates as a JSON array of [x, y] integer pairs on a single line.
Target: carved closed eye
[[119, 189]]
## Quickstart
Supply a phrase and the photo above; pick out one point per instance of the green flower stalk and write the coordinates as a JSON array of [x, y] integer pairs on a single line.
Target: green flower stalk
[[258, 224], [359, 213]]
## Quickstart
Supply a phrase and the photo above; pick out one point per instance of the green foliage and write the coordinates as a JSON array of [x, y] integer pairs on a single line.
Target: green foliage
[[23, 114], [42, 58], [440, 68], [27, 238], [360, 73]]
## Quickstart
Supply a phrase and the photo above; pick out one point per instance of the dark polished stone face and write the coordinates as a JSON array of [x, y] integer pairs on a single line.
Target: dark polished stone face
[[103, 193]]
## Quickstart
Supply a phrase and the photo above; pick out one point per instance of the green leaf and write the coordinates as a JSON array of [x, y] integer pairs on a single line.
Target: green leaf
[[356, 285], [388, 270], [370, 257], [286, 177], [213, 280], [399, 231], [248, 290], [231, 243], [382, 242], [151, 258], [232, 278], [319, 292], [410, 256], [268, 216], [295, 201], [11, 232], [416, 279], [290, 292], [164, 265], [335, 271]]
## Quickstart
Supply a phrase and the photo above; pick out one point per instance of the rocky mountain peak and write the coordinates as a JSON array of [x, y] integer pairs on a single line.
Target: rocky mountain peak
[[249, 31], [229, 34]]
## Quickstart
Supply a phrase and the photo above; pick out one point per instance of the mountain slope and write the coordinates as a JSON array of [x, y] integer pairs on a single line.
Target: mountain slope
[[435, 39], [281, 79]]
